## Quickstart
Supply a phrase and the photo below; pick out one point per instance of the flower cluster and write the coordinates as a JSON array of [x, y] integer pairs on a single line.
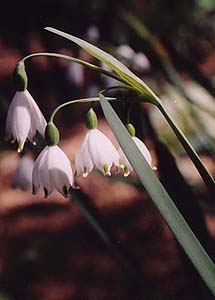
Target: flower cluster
[[52, 168]]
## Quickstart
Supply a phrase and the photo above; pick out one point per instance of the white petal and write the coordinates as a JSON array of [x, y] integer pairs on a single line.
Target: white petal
[[40, 176], [102, 151], [18, 119], [38, 121], [44, 174], [59, 169], [35, 173], [124, 163], [142, 147], [20, 125], [10, 114], [83, 161]]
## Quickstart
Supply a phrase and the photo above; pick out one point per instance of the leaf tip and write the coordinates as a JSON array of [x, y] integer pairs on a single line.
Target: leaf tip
[[48, 28]]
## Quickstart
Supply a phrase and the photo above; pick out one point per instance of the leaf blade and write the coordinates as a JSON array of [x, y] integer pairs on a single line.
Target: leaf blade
[[112, 62], [162, 200]]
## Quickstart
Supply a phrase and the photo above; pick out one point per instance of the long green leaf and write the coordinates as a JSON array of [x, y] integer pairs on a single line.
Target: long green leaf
[[112, 62], [162, 200]]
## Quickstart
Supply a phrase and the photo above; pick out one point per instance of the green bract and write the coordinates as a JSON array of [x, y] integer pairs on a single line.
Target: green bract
[[51, 134], [20, 77], [131, 129], [91, 119]]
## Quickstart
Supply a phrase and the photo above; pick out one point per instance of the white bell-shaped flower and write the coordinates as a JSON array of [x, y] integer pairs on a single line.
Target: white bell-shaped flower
[[52, 170], [22, 176], [124, 163], [24, 118], [96, 150]]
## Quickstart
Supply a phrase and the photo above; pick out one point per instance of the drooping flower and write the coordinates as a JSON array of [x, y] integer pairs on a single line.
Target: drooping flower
[[96, 150], [124, 163], [52, 169], [22, 176], [24, 117]]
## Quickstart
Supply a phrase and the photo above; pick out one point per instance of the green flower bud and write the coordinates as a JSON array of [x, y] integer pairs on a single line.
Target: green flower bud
[[91, 119], [131, 129], [51, 134], [20, 77]]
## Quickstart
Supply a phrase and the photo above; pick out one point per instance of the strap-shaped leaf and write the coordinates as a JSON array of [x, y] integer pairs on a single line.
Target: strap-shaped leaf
[[112, 62], [162, 200]]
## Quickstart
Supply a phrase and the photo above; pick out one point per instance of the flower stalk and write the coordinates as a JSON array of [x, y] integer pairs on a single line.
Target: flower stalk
[[83, 100], [76, 60]]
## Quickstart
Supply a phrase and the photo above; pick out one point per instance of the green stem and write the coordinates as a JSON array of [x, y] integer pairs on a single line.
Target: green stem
[[83, 100], [128, 87], [206, 176], [76, 60]]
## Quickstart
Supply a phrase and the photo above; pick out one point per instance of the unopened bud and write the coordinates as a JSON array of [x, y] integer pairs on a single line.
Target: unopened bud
[[91, 119], [131, 129]]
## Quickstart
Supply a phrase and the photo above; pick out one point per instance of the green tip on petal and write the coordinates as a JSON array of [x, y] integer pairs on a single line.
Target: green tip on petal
[[106, 171], [51, 134], [126, 171], [85, 172], [20, 77], [131, 129], [91, 119], [120, 163], [20, 146]]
